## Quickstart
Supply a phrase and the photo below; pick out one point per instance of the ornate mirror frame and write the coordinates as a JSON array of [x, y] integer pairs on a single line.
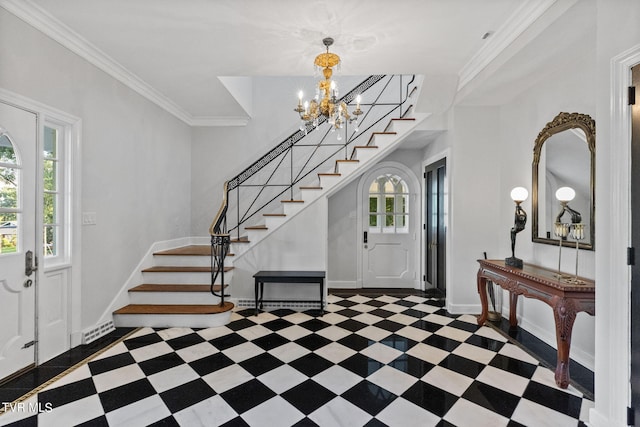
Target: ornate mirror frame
[[563, 122]]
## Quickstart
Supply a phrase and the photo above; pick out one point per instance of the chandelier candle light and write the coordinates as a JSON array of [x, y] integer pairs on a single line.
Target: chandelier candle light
[[325, 103]]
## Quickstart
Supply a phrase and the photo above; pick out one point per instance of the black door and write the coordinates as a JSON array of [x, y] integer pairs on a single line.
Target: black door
[[635, 241], [435, 175]]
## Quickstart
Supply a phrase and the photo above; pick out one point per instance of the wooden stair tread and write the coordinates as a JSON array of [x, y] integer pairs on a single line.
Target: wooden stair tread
[[174, 309], [365, 146], [187, 250], [147, 287], [274, 214], [347, 161], [191, 250], [256, 227], [292, 201], [328, 174], [404, 118], [180, 269], [311, 188], [240, 240]]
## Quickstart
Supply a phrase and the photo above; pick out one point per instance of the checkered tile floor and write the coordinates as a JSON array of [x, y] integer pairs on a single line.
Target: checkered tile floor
[[367, 361]]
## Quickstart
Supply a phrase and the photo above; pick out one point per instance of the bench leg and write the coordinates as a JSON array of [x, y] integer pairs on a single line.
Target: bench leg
[[322, 297], [256, 296]]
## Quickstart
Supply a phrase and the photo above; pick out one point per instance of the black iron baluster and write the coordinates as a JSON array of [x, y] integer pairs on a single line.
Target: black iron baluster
[[291, 171]]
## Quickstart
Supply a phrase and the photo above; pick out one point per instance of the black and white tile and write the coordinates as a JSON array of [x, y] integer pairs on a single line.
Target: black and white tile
[[367, 361]]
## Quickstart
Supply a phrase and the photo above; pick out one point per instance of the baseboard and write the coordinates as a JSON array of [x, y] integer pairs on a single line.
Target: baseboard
[[342, 284], [293, 305], [548, 337], [596, 419], [463, 308]]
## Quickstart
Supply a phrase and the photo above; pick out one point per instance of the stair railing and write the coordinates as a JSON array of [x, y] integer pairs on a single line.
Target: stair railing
[[272, 176], [220, 242]]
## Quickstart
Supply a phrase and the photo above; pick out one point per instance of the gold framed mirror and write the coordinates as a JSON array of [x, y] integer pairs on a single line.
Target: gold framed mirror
[[564, 155]]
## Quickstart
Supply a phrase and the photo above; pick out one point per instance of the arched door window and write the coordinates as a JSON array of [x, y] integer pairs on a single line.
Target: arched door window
[[9, 195], [388, 205]]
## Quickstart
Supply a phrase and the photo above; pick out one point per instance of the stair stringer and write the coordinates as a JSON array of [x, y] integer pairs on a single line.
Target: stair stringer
[[392, 142]]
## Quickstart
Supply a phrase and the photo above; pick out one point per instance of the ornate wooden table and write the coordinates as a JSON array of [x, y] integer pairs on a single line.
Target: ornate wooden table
[[565, 298]]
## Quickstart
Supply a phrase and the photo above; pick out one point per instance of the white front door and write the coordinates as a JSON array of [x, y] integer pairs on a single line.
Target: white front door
[[389, 230], [18, 142]]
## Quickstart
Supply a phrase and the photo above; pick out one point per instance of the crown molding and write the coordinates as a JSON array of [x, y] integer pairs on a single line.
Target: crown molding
[[43, 21], [517, 23], [219, 121]]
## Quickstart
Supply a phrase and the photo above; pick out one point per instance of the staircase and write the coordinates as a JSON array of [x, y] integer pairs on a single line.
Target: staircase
[[174, 290], [181, 279]]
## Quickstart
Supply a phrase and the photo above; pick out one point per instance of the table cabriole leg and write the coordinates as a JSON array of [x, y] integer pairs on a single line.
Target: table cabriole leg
[[513, 305], [482, 290], [564, 313]]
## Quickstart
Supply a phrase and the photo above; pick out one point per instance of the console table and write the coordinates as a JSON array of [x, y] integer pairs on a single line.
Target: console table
[[566, 299], [262, 277]]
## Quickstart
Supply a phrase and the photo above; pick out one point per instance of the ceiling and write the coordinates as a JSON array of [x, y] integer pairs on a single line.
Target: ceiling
[[174, 51]]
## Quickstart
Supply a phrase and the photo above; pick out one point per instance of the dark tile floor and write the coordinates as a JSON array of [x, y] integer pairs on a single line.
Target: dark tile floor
[[369, 360]]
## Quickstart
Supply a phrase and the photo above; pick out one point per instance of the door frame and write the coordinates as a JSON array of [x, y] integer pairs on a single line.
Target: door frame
[[442, 155], [417, 189], [614, 395], [434, 167], [71, 266]]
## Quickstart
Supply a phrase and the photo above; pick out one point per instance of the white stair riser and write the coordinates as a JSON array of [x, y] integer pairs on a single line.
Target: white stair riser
[[309, 195], [172, 320], [256, 235], [328, 181], [238, 248], [190, 298], [364, 154], [291, 208], [400, 126], [274, 221], [383, 141], [346, 168], [164, 278], [187, 261]]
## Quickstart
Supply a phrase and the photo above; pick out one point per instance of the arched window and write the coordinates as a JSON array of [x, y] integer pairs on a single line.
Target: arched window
[[9, 194], [388, 205]]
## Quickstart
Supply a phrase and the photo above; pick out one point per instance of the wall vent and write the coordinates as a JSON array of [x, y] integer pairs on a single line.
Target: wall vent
[[293, 305], [90, 335]]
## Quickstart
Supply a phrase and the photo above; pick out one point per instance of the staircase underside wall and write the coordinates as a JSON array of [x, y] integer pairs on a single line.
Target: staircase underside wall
[[299, 244]]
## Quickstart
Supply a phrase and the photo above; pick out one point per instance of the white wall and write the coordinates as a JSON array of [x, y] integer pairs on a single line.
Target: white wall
[[343, 211], [473, 171], [135, 158], [617, 31], [281, 251], [520, 122]]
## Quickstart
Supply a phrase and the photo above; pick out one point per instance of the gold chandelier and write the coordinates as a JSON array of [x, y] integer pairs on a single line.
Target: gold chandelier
[[325, 103]]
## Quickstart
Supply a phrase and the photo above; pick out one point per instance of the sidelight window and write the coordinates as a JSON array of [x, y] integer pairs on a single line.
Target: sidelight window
[[52, 185], [9, 195]]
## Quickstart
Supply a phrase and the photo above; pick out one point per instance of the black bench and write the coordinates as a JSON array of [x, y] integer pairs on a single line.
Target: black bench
[[263, 277]]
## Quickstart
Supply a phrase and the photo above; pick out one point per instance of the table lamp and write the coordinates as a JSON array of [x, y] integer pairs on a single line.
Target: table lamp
[[561, 230], [518, 195]]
